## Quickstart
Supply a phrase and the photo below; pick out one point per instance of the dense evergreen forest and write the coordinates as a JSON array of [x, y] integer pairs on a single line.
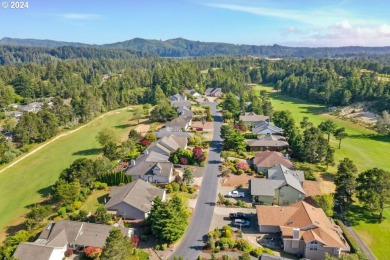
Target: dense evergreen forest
[[79, 93], [180, 47]]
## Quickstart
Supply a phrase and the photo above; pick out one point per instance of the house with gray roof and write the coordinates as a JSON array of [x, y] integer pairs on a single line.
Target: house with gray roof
[[58, 236], [213, 92], [134, 200], [251, 118], [268, 142], [167, 131], [266, 128], [154, 165], [281, 186], [181, 103], [178, 97], [193, 93], [181, 123]]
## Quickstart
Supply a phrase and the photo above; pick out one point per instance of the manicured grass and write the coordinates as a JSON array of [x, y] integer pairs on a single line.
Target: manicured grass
[[94, 200], [364, 147], [28, 181]]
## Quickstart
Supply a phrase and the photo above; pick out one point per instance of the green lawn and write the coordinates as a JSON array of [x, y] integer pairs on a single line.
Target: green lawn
[[26, 182], [364, 147], [94, 200]]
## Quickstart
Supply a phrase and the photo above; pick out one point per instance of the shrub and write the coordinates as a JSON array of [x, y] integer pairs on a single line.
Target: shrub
[[228, 202], [62, 212], [93, 252], [164, 247], [228, 234], [257, 252], [144, 238], [239, 172], [243, 245], [191, 189], [242, 165], [227, 257], [227, 241], [68, 252], [135, 240], [245, 256], [217, 249], [184, 188], [268, 251], [240, 203], [77, 204], [157, 247]]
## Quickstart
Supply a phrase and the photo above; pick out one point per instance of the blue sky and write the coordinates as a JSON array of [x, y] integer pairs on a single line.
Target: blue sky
[[260, 22]]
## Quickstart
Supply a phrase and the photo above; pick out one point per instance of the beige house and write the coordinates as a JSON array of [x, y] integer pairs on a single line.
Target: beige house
[[304, 229], [282, 186], [251, 118], [268, 159], [134, 200], [58, 236], [268, 142], [154, 164]]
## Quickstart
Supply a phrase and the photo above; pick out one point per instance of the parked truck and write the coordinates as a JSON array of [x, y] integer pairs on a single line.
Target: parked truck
[[236, 194]]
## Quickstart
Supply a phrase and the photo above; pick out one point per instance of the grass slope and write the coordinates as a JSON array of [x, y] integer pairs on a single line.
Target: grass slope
[[26, 182], [364, 147]]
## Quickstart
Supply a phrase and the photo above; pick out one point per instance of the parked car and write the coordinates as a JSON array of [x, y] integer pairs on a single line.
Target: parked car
[[240, 215], [241, 223], [236, 194]]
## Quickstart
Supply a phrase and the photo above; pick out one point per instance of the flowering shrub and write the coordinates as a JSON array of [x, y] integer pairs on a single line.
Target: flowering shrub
[[241, 165], [145, 142], [93, 252], [240, 127], [198, 154], [183, 161], [135, 240]]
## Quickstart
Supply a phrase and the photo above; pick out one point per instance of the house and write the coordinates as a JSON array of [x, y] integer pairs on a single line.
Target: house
[[14, 114], [213, 92], [304, 229], [202, 126], [31, 107], [193, 93], [268, 142], [282, 186], [250, 118], [181, 103], [266, 128], [134, 200], [180, 123], [58, 236], [167, 131], [154, 165], [178, 97], [268, 159]]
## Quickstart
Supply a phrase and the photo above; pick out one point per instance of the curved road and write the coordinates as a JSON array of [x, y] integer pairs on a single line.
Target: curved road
[[192, 242]]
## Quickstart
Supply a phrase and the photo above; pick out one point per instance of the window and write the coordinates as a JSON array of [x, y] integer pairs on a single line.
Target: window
[[313, 246], [300, 196]]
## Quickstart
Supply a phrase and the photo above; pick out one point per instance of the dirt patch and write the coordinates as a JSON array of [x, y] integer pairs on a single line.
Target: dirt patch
[[326, 186], [142, 128], [236, 180], [359, 111], [311, 188]]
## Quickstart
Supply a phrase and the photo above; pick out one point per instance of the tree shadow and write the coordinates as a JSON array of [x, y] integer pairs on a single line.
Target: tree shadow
[[327, 176], [12, 230], [375, 137], [86, 152], [103, 199], [356, 214], [124, 126]]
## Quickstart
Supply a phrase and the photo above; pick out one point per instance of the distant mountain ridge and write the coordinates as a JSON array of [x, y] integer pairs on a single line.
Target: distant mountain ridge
[[180, 47]]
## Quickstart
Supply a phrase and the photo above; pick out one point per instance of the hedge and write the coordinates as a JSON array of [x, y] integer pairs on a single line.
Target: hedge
[[351, 241]]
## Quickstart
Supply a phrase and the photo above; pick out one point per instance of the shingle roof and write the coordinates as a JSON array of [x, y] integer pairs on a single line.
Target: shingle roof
[[265, 187], [262, 126], [28, 251], [269, 141], [312, 221], [280, 172], [270, 159], [253, 118], [138, 194], [63, 232], [177, 97], [166, 132], [181, 103], [213, 91]]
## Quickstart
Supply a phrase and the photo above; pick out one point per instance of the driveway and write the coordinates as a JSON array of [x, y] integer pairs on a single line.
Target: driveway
[[192, 243]]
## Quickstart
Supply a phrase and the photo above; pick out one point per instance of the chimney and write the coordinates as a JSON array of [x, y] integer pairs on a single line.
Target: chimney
[[132, 162], [295, 233]]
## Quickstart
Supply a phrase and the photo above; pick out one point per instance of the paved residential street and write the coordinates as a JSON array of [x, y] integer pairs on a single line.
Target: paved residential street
[[192, 243]]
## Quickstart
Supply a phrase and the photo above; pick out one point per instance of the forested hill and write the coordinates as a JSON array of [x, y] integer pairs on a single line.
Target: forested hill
[[180, 47]]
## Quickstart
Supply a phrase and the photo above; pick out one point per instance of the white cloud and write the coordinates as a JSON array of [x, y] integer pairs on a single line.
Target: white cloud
[[79, 16], [345, 33]]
